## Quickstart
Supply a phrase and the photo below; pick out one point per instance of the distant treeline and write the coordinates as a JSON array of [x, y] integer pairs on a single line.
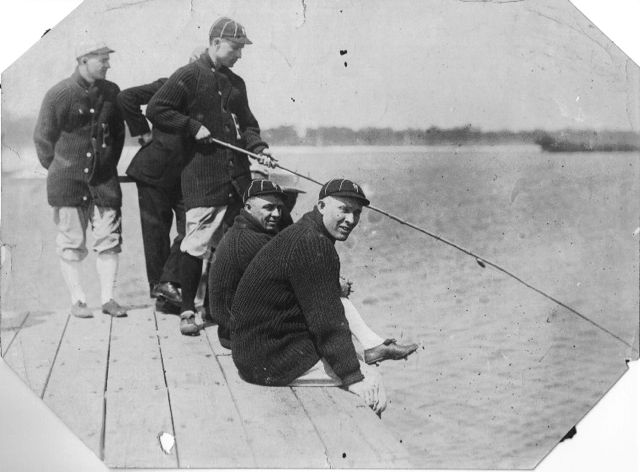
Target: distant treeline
[[19, 131], [585, 140]]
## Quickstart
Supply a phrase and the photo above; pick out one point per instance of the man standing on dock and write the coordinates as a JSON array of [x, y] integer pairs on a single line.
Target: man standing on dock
[[288, 322], [79, 137], [156, 169], [205, 100]]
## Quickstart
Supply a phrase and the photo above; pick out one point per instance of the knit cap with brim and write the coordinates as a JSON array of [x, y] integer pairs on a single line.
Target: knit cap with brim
[[263, 187], [343, 188], [226, 28]]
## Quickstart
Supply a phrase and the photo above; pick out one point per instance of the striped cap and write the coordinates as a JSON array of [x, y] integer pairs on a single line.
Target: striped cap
[[343, 188], [263, 187], [226, 28]]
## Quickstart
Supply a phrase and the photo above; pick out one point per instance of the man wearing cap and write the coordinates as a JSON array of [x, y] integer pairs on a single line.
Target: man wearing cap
[[258, 221], [288, 323], [78, 137], [205, 100]]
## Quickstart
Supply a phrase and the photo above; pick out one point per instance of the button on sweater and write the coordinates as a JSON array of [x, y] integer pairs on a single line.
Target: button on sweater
[[287, 312]]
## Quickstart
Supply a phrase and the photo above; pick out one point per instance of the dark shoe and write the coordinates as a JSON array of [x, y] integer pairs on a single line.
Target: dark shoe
[[188, 325], [114, 309], [81, 310], [224, 335], [165, 306], [168, 291], [388, 350]]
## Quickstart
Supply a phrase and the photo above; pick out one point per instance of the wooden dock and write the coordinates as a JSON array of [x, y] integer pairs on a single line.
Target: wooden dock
[[122, 384]]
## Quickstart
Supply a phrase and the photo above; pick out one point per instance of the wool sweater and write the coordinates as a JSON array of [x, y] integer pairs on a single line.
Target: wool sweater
[[160, 162], [78, 138], [287, 313], [232, 257], [198, 95]]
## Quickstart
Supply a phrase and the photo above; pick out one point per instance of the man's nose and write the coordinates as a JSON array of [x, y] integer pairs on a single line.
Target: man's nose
[[276, 213], [349, 218]]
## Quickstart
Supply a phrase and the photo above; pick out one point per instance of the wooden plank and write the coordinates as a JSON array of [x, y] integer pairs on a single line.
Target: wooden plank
[[211, 331], [32, 352], [353, 435], [209, 430], [75, 391], [280, 433], [137, 405], [10, 324]]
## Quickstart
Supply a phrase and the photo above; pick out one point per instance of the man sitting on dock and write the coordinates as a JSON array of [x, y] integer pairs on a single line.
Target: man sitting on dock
[[288, 324], [266, 211]]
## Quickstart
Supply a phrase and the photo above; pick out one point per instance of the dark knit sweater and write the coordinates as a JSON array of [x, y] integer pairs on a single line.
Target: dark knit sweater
[[287, 312], [234, 253], [78, 138], [160, 162], [199, 95]]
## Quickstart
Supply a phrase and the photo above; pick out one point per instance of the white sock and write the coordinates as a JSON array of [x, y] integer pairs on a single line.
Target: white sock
[[107, 267], [359, 329], [71, 274]]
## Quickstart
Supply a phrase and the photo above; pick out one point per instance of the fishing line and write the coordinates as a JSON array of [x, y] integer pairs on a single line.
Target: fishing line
[[482, 261]]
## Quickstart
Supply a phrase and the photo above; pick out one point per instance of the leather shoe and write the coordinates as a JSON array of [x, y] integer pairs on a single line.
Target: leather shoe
[[168, 291], [188, 325], [389, 349], [165, 306], [81, 310], [114, 309]]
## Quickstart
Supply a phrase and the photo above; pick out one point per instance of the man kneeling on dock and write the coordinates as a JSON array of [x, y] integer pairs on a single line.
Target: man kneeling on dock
[[288, 323]]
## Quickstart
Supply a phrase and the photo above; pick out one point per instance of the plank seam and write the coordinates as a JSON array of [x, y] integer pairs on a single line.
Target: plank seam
[[166, 385], [233, 399], [15, 335], [55, 357], [315, 428], [104, 395]]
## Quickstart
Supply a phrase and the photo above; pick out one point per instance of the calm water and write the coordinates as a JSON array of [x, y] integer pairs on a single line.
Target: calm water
[[502, 373]]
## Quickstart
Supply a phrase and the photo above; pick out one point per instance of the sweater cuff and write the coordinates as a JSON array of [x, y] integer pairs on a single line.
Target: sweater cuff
[[352, 378], [258, 149], [194, 127]]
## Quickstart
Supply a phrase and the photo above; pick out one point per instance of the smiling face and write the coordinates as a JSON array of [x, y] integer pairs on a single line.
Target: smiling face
[[95, 67], [340, 215], [225, 52], [266, 209]]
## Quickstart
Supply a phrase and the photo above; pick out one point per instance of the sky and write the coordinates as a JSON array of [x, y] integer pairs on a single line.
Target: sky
[[404, 64], [30, 438]]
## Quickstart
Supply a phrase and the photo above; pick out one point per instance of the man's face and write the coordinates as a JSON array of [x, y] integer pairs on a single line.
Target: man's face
[[340, 215], [97, 66], [225, 52], [267, 209]]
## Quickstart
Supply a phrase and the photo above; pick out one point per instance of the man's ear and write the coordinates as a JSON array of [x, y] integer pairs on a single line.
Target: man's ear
[[321, 205]]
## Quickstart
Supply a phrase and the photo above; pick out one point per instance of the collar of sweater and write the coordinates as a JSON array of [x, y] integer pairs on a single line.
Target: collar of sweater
[[206, 61], [314, 220], [246, 221]]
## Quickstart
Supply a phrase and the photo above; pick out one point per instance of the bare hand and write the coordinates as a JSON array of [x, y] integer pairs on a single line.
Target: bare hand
[[145, 139], [371, 391], [203, 133], [345, 287], [266, 159]]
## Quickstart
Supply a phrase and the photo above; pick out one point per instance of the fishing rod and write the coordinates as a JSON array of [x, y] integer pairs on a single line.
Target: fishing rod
[[482, 261]]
